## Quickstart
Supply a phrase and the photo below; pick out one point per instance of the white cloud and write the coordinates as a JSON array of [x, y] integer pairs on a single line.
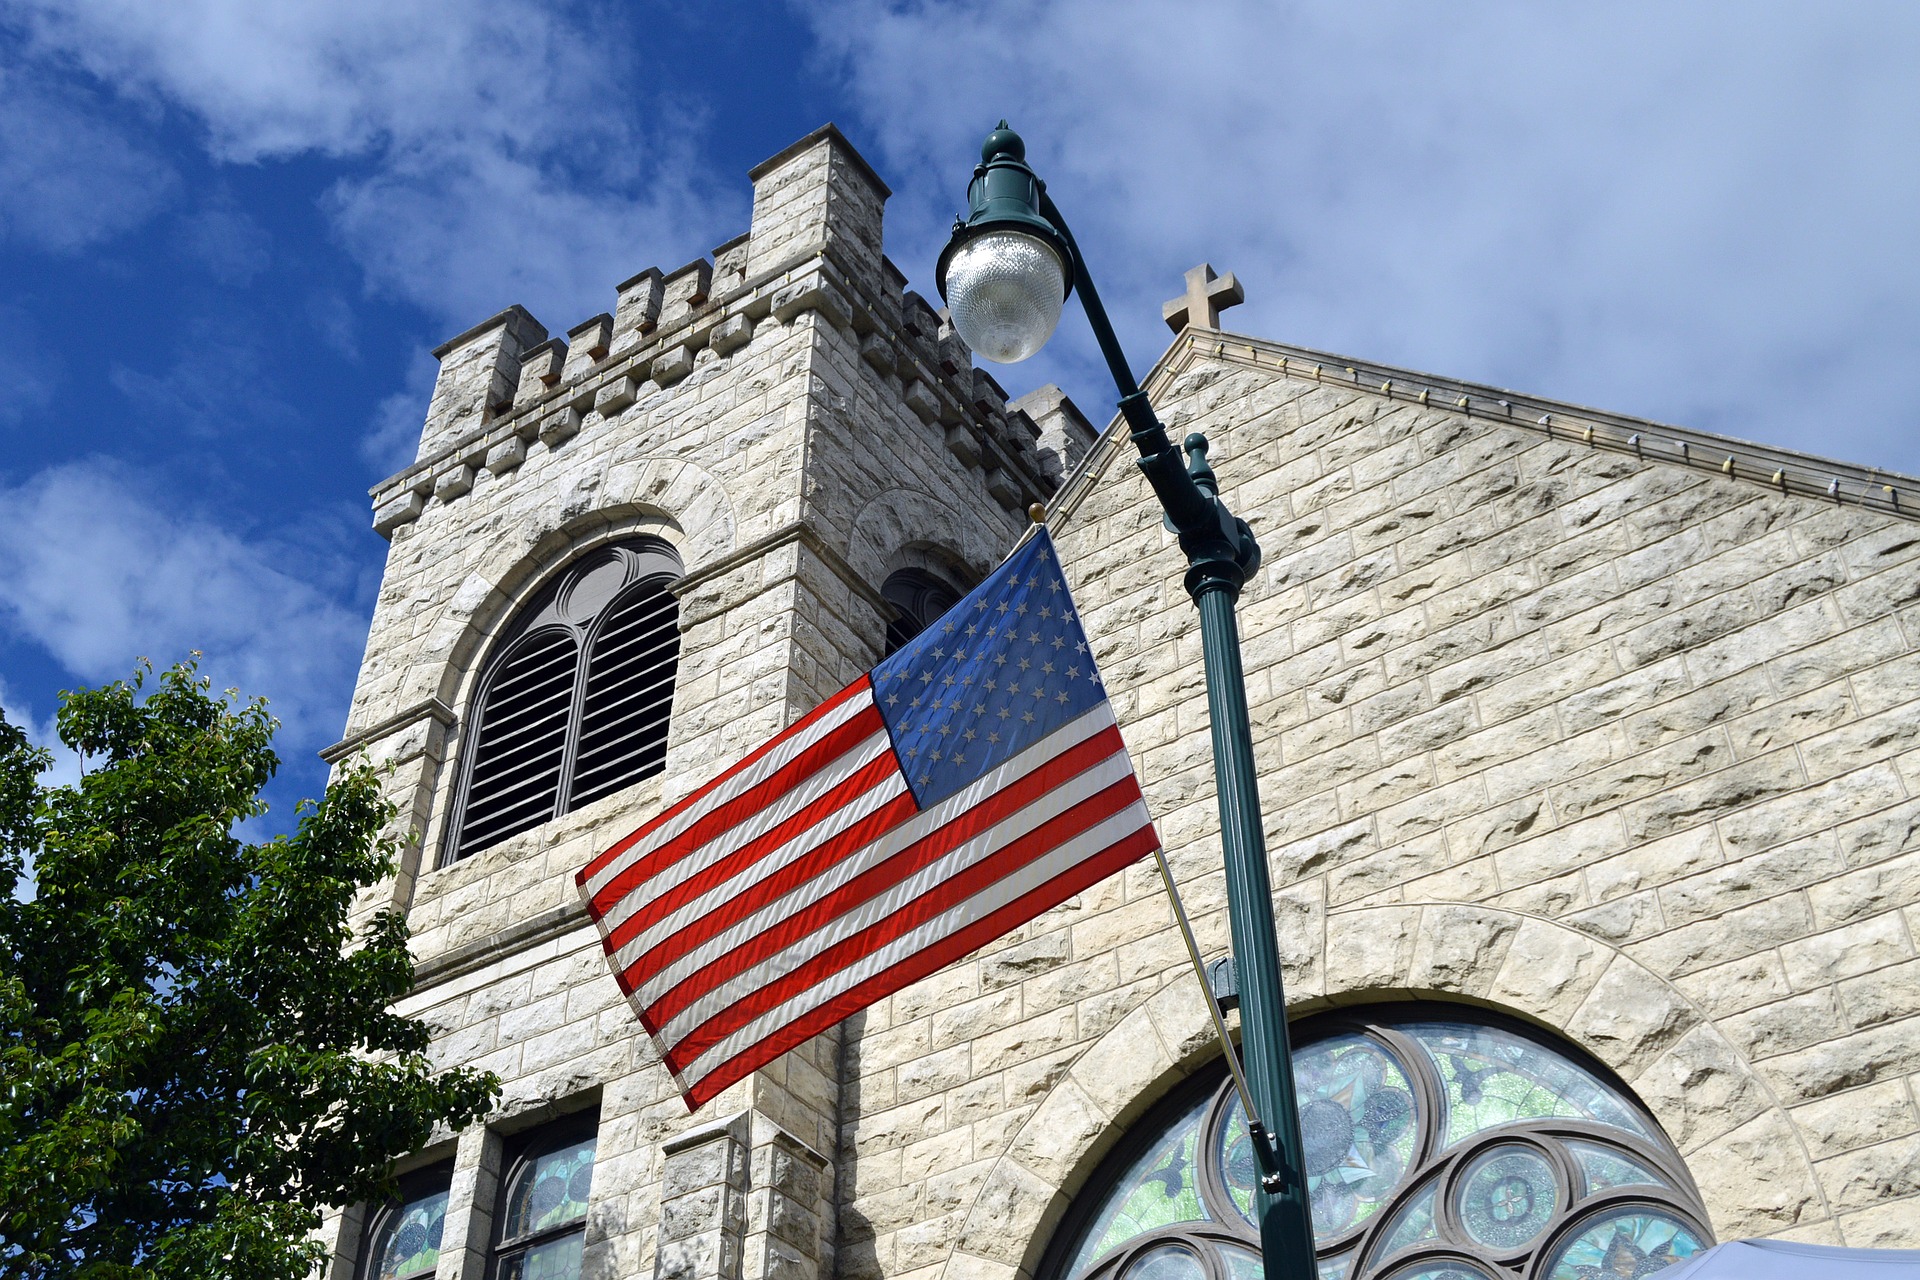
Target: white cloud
[[393, 437], [1697, 212], [42, 731], [98, 574], [496, 149], [68, 178]]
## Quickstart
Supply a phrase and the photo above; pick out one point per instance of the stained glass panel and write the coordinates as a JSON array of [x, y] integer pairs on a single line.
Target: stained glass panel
[[1357, 1128], [409, 1243], [1507, 1196], [1412, 1223], [1493, 1077], [1157, 1190], [1245, 1264], [1622, 1245], [554, 1260], [1167, 1262], [1334, 1268], [551, 1192], [1447, 1270], [1605, 1167]]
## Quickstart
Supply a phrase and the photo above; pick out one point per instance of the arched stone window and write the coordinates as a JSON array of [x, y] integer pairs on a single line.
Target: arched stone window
[[402, 1239], [917, 598], [540, 1226], [1441, 1144], [573, 702]]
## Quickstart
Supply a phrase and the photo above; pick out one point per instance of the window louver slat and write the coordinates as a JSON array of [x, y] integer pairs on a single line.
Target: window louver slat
[[522, 735], [623, 729]]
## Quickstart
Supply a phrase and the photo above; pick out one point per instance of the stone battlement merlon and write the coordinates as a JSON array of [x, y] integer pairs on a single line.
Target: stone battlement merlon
[[814, 246]]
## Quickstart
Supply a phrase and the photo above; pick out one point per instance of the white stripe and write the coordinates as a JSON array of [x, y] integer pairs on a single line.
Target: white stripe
[[819, 833], [927, 879], [746, 779], [1010, 771], [834, 773], [990, 899], [1017, 766]]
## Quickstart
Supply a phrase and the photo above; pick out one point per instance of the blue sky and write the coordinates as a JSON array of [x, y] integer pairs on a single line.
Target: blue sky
[[230, 232]]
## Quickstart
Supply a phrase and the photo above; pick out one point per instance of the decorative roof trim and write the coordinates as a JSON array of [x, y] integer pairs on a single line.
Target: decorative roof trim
[[1783, 471]]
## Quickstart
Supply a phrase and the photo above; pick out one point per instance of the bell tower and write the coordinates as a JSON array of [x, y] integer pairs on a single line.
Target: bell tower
[[788, 425]]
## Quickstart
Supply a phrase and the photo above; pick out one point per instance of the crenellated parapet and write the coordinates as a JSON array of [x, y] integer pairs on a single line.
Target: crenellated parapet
[[507, 390]]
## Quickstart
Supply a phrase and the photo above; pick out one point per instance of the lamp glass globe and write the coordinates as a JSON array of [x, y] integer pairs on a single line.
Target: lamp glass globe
[[1004, 291]]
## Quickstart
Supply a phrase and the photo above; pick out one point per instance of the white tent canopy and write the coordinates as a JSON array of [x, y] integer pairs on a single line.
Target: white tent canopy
[[1784, 1260]]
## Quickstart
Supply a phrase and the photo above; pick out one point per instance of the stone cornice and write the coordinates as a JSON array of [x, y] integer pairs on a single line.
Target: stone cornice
[[556, 922], [1780, 470], [432, 707], [798, 531]]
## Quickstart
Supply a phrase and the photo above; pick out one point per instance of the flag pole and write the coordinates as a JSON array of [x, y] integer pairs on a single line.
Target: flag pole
[[1206, 989]]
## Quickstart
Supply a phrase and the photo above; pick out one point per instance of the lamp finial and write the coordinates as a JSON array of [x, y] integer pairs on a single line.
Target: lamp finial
[[1003, 142]]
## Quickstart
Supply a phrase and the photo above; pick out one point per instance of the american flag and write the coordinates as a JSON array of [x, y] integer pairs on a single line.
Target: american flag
[[960, 788]]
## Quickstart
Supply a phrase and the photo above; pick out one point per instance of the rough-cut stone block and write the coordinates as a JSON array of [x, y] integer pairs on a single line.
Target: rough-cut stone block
[[1460, 948], [616, 395], [397, 511], [453, 482], [670, 366], [961, 441], [812, 294], [1004, 488], [878, 352], [506, 455], [1856, 1118], [560, 426], [731, 334], [1630, 1017], [1700, 1089], [921, 399], [1755, 1179]]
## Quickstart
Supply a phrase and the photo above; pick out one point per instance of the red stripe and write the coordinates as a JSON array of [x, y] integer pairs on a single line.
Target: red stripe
[[1082, 875], [716, 873], [740, 808], [747, 762], [872, 882], [860, 834], [950, 892]]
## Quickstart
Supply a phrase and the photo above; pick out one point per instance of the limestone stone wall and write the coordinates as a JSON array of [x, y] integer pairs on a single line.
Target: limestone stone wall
[[1582, 725]]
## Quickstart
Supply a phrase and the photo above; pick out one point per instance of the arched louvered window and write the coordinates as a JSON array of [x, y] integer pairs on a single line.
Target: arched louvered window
[[573, 704], [917, 599]]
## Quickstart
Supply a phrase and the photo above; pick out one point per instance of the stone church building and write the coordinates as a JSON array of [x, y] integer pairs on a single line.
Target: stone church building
[[1589, 747]]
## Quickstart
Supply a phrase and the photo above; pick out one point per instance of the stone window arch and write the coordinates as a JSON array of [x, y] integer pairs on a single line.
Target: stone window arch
[[573, 702], [917, 597], [402, 1237], [1442, 1143], [541, 1220]]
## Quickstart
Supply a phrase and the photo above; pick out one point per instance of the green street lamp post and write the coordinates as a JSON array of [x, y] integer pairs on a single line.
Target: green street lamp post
[[1005, 275]]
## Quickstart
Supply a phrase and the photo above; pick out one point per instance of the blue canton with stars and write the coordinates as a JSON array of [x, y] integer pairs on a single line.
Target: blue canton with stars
[[998, 672]]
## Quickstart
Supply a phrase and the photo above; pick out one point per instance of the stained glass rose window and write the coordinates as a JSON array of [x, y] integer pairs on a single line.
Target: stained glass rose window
[[1439, 1144]]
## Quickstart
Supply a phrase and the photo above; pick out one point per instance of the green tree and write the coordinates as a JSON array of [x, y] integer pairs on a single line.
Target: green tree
[[196, 1052]]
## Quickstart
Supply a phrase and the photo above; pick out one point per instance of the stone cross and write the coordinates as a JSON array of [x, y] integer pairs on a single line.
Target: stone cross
[[1206, 297]]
